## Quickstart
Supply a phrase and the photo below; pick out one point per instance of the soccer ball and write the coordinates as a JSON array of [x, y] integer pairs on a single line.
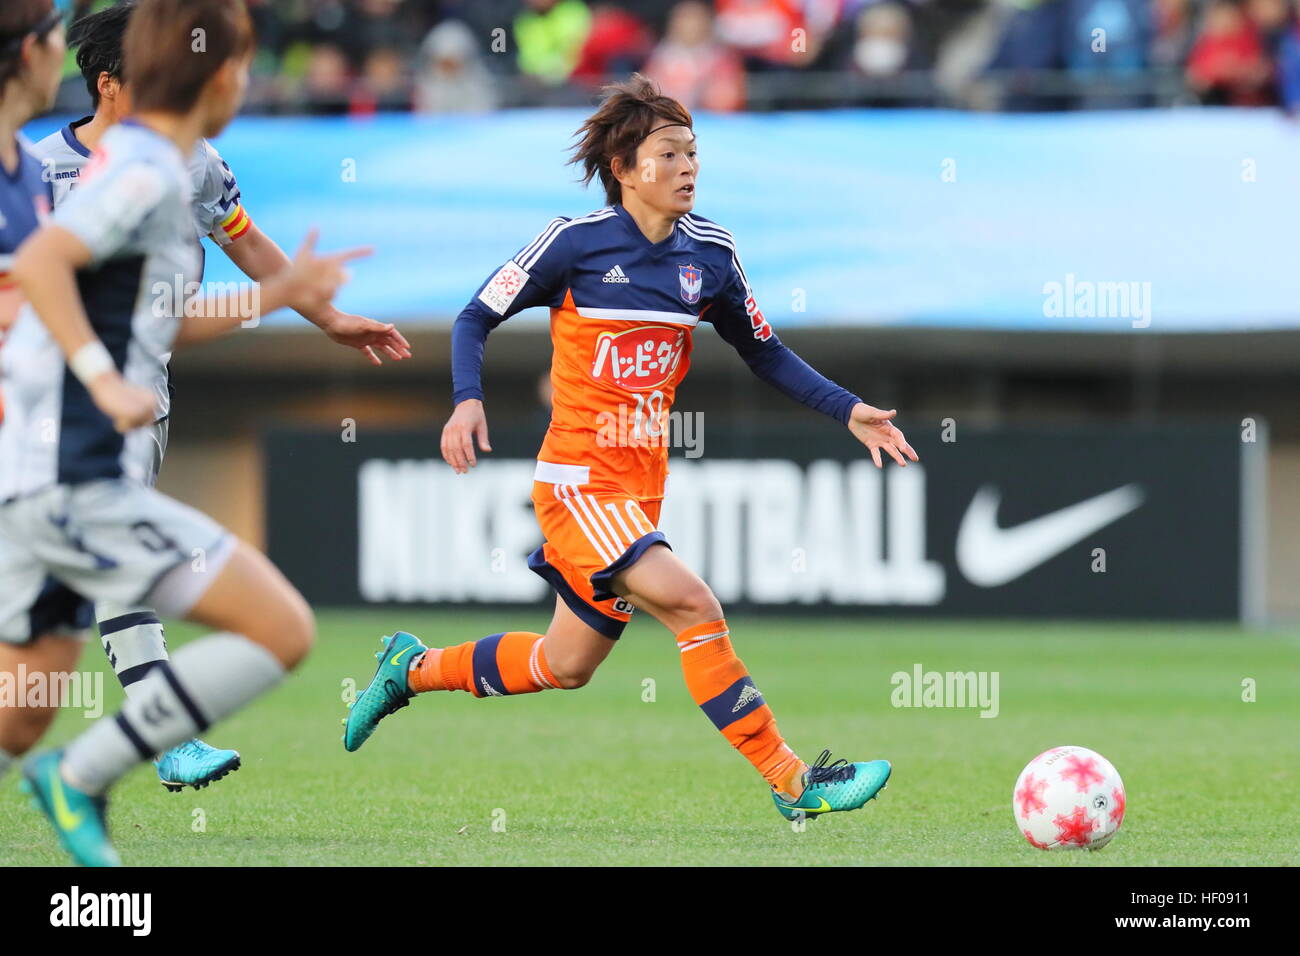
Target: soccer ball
[[1068, 798]]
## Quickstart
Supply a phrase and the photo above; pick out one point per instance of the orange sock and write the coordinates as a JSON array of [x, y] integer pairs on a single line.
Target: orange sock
[[496, 666], [718, 682]]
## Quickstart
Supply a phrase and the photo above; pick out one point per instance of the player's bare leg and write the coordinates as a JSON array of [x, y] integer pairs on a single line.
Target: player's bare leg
[[50, 656], [513, 662], [661, 584], [250, 597], [266, 629]]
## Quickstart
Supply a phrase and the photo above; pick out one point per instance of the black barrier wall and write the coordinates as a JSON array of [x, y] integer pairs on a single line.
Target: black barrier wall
[[1117, 522]]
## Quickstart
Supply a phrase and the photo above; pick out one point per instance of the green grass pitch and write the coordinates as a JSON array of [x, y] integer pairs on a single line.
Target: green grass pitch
[[601, 776]]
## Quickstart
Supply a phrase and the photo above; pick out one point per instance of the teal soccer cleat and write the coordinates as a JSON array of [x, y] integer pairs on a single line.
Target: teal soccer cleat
[[194, 764], [387, 691], [839, 786], [79, 820]]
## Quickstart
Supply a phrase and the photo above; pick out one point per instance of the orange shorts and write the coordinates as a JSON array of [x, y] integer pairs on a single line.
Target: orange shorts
[[592, 533]]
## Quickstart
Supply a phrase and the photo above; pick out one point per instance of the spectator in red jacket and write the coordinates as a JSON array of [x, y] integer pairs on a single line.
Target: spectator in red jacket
[[1228, 65], [617, 44]]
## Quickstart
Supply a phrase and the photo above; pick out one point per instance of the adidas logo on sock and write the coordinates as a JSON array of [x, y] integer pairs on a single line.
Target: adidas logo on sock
[[616, 274], [748, 694], [489, 689]]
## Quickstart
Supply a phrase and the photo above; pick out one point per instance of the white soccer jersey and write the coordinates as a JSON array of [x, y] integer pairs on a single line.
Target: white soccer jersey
[[217, 211], [132, 210], [216, 206]]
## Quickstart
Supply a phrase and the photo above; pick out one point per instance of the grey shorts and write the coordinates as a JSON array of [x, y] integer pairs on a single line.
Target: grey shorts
[[112, 541]]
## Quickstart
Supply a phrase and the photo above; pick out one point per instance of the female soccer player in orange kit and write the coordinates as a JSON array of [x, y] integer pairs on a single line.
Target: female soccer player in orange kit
[[626, 285]]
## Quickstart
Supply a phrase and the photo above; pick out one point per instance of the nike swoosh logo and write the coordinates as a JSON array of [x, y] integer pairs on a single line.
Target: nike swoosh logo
[[63, 815], [822, 809], [990, 556], [398, 655]]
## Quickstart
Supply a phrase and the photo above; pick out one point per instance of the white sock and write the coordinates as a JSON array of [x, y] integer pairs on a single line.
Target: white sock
[[134, 641], [208, 680], [6, 761]]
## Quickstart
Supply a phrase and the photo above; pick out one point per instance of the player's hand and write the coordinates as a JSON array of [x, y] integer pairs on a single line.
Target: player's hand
[[310, 282], [368, 336], [874, 428], [127, 406], [467, 423]]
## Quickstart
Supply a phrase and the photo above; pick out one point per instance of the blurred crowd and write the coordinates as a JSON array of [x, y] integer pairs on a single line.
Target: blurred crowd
[[364, 56]]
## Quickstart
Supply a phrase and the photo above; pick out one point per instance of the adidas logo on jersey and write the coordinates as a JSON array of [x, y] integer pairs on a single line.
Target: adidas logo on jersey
[[616, 274], [748, 694]]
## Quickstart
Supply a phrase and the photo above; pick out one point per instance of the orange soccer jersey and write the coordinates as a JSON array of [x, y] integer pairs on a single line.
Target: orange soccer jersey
[[623, 310], [614, 381]]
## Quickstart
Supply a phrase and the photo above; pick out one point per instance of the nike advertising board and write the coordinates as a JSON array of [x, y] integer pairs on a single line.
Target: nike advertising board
[[1108, 523]]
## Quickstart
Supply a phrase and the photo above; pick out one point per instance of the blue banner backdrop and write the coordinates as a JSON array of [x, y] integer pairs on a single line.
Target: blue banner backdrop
[[843, 218]]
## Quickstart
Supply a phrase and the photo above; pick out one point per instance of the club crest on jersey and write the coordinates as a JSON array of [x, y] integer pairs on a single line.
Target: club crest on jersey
[[691, 279], [639, 359]]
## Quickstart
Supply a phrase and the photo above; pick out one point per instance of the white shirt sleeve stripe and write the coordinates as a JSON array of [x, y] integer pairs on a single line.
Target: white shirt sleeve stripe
[[535, 253]]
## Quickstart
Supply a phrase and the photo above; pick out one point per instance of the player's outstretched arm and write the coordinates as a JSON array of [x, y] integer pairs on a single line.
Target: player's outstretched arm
[[259, 257], [742, 325], [45, 269], [875, 429], [309, 282]]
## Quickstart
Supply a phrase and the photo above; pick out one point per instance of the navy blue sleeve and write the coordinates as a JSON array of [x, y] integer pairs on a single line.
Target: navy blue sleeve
[[736, 316], [468, 340], [537, 275]]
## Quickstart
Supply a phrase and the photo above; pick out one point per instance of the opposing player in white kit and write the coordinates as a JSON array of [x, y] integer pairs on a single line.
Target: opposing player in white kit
[[77, 521], [133, 637], [31, 57]]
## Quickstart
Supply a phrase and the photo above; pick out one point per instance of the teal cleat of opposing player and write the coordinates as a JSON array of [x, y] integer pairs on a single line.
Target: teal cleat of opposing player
[[194, 764], [838, 786], [79, 819], [388, 690]]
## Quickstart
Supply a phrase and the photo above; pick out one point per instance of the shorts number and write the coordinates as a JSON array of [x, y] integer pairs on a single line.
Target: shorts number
[[151, 538]]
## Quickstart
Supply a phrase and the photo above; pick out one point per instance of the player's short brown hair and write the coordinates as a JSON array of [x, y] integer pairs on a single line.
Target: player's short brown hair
[[628, 112], [173, 47]]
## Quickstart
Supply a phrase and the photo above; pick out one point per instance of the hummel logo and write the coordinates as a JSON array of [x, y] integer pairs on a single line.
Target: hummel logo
[[616, 274], [748, 694], [489, 689], [155, 712]]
